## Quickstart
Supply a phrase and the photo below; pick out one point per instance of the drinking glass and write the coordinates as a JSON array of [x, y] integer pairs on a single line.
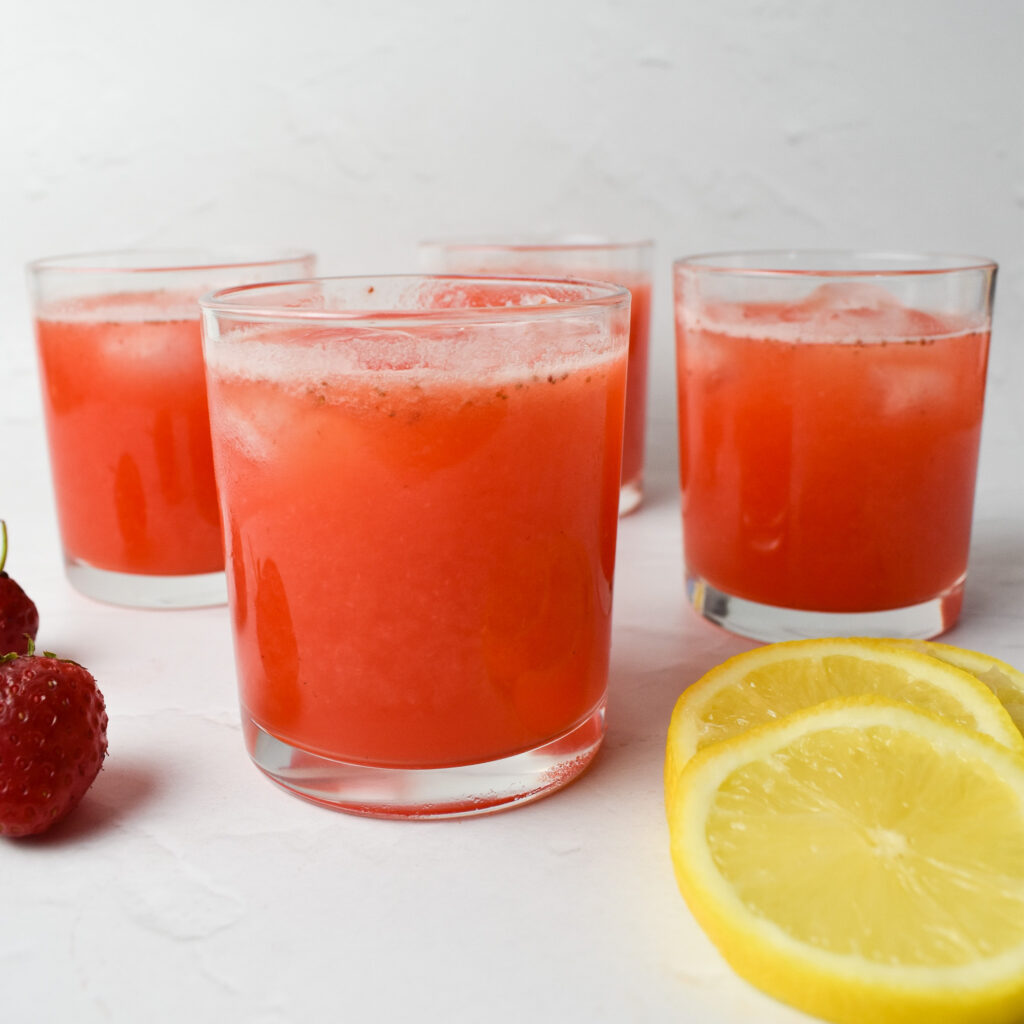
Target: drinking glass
[[419, 482], [124, 399], [623, 263], [830, 408]]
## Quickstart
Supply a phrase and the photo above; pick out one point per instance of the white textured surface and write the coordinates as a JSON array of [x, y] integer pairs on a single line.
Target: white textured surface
[[187, 887]]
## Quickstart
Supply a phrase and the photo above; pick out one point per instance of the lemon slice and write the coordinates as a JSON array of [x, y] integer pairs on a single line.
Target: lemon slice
[[1006, 682], [772, 681], [862, 860]]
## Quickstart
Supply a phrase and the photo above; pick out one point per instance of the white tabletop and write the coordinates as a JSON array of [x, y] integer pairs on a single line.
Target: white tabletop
[[188, 887]]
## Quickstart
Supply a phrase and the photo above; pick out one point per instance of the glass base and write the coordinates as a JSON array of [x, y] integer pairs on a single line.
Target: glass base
[[772, 623], [630, 496], [136, 591], [423, 793]]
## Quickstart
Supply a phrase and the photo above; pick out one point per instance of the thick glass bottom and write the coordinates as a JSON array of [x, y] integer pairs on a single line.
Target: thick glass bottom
[[772, 623], [136, 591], [424, 793], [631, 493]]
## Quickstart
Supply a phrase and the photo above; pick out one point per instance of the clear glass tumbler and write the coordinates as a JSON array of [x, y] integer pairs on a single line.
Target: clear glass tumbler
[[124, 398], [830, 409], [623, 263], [419, 481]]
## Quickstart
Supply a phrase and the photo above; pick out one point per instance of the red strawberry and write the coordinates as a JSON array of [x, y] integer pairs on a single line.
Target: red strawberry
[[19, 619], [53, 738]]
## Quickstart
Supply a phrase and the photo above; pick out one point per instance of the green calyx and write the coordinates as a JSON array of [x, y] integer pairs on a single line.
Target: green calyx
[[31, 653]]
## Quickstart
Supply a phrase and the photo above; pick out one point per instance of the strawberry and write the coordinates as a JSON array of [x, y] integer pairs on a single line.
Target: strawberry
[[53, 738], [19, 619]]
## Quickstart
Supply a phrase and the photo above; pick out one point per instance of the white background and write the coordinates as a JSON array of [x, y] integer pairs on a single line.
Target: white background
[[187, 887], [358, 128]]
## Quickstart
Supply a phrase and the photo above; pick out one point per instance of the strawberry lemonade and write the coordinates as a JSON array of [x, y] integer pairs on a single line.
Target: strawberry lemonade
[[421, 519], [635, 428], [124, 397], [622, 263], [120, 381], [828, 454]]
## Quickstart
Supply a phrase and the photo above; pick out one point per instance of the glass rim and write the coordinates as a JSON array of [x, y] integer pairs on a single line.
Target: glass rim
[[567, 242], [166, 260], [230, 302], [874, 263]]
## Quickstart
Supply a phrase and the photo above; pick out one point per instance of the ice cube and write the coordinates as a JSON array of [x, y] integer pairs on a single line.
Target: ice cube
[[241, 431], [862, 311], [837, 296], [914, 388]]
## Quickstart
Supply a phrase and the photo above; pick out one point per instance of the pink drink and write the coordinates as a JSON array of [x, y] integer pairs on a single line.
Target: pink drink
[[124, 395], [421, 528], [829, 447], [636, 394], [125, 403], [439, 529], [625, 264]]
